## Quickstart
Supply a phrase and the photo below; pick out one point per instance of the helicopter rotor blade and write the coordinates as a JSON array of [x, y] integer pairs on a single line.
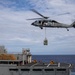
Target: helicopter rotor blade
[[36, 19], [66, 13], [39, 14]]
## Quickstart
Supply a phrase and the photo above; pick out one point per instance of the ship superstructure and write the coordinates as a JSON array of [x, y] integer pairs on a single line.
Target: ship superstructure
[[22, 64]]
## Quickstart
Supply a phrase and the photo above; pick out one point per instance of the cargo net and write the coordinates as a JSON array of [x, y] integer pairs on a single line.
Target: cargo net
[[45, 42]]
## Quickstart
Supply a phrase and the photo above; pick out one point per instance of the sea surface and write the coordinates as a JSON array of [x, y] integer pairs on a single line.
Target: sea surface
[[56, 58]]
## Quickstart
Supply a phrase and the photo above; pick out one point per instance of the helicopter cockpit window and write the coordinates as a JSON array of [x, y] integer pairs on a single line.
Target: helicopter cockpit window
[[39, 21], [42, 22]]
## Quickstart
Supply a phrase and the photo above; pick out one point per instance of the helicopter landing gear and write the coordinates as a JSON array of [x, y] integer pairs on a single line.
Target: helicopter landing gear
[[67, 29], [41, 27]]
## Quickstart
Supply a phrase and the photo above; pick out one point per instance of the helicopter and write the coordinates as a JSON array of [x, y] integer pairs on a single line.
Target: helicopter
[[46, 22]]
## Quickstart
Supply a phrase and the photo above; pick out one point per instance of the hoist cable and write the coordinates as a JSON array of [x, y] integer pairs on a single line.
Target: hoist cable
[[45, 32]]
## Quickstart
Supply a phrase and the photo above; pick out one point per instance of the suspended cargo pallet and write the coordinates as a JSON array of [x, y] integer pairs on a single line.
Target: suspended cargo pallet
[[45, 42]]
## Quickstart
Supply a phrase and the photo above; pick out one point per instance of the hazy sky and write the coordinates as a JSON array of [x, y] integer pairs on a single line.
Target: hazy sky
[[16, 32]]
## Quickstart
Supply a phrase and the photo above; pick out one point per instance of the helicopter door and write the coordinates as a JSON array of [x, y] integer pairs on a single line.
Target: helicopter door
[[44, 23], [40, 24]]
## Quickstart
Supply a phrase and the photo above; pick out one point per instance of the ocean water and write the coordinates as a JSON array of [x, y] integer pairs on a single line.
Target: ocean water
[[56, 58]]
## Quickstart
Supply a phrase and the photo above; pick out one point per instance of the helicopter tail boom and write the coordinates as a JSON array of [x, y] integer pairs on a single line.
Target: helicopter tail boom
[[73, 24]]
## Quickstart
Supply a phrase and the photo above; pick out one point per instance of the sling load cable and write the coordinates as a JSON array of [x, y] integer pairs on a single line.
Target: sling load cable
[[45, 41]]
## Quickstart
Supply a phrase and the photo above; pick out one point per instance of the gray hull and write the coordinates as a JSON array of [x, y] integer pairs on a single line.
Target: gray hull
[[35, 69]]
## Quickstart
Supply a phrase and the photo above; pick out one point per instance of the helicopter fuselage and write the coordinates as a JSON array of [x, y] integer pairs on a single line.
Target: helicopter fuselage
[[46, 22], [49, 23]]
